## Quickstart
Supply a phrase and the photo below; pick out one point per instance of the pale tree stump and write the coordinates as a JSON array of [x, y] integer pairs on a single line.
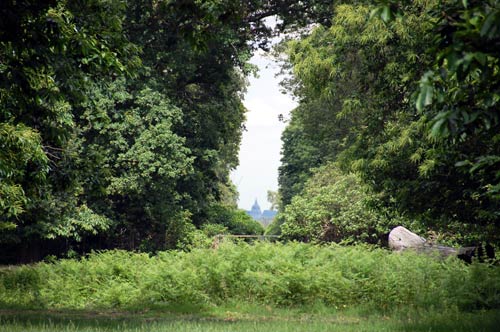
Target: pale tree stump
[[401, 239]]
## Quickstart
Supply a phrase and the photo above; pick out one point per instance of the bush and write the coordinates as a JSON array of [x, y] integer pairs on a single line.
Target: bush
[[336, 207], [20, 286], [236, 221], [278, 274]]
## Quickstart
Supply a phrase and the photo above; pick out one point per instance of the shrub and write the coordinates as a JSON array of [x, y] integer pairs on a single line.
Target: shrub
[[289, 274], [335, 207], [20, 286], [236, 221]]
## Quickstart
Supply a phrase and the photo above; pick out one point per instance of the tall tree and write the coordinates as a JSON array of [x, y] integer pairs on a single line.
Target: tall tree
[[50, 52], [138, 160], [95, 141], [356, 81]]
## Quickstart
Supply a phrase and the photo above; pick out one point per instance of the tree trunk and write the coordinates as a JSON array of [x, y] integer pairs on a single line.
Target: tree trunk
[[401, 239]]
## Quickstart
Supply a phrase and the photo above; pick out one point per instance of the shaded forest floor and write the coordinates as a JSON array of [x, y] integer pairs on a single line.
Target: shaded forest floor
[[242, 317]]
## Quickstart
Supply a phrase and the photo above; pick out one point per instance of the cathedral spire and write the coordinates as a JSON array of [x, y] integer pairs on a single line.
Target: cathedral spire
[[256, 212], [256, 203]]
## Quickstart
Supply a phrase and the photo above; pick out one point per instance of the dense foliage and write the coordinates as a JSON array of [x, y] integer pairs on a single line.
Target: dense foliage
[[120, 121], [50, 54], [337, 207], [405, 95], [285, 275]]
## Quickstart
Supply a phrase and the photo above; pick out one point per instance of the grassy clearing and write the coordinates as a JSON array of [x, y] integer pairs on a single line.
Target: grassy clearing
[[257, 319]]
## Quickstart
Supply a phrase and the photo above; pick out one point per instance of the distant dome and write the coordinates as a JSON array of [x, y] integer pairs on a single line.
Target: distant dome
[[264, 217], [256, 208]]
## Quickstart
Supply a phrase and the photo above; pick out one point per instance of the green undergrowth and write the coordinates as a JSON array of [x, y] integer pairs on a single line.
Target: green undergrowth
[[289, 275]]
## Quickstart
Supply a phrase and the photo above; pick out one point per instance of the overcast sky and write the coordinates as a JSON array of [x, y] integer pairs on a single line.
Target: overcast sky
[[261, 143]]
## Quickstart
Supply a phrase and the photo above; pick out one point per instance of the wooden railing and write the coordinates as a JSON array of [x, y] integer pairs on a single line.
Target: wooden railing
[[220, 237]]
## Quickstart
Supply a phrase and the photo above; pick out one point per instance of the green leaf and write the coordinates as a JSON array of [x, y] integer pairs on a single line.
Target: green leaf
[[439, 128], [489, 26], [376, 12], [481, 58], [463, 163], [425, 96], [386, 14]]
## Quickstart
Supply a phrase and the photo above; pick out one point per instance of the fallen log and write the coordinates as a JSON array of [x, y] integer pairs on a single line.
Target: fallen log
[[401, 239]]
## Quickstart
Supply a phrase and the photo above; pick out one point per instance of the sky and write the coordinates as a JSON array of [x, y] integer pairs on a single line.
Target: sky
[[261, 144]]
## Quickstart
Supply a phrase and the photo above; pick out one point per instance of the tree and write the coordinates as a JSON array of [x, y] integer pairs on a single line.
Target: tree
[[274, 199], [138, 161], [299, 156], [50, 52], [457, 101], [356, 81], [353, 80], [460, 92]]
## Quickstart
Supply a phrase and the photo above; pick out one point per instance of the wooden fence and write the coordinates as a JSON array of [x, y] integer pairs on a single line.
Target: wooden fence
[[220, 237]]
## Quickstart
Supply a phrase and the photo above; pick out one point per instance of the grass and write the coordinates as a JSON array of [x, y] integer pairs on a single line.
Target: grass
[[247, 319]]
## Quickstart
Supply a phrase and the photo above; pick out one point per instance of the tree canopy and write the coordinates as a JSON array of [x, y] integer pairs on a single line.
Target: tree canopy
[[404, 95], [120, 121]]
